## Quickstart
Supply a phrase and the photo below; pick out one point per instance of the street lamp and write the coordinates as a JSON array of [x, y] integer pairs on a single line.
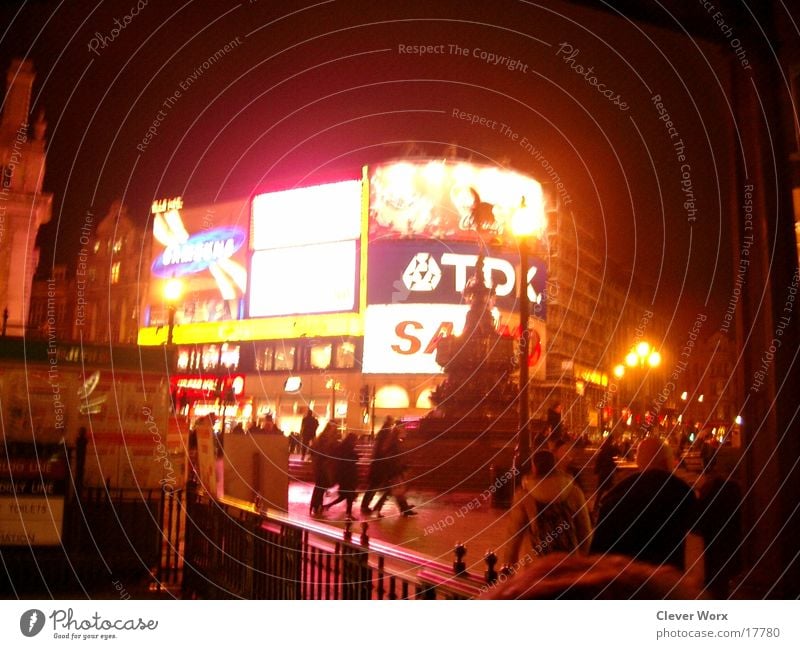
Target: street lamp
[[526, 222], [643, 354], [173, 290]]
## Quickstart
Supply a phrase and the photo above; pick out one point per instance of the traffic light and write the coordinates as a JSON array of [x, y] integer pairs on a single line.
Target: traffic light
[[364, 396]]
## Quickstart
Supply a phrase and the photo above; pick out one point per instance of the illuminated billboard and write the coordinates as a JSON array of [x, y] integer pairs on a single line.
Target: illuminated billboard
[[403, 338], [305, 250], [204, 249], [442, 200], [318, 278], [433, 271], [298, 217]]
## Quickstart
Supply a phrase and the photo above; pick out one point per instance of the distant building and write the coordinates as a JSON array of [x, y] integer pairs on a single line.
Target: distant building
[[112, 273], [23, 205], [97, 299], [712, 385], [595, 315]]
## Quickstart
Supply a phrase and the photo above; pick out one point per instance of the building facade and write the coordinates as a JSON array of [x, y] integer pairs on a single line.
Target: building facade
[[23, 205]]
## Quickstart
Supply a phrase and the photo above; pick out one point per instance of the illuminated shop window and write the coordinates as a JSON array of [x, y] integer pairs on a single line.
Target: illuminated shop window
[[210, 356], [230, 356], [319, 356], [391, 396], [284, 357], [265, 355], [345, 355], [117, 245], [115, 272]]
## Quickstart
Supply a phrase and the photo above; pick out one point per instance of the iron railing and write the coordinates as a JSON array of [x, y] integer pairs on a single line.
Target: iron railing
[[232, 551]]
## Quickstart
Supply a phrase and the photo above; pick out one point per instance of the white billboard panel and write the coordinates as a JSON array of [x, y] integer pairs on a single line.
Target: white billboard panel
[[319, 278], [298, 217]]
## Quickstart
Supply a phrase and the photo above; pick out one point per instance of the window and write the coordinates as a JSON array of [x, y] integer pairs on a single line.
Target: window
[[346, 355], [284, 357], [115, 272], [319, 356], [117, 245], [265, 355]]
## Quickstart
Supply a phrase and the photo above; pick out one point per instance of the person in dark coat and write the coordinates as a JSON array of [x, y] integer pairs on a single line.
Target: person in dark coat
[[377, 478], [648, 515], [346, 473], [322, 456], [554, 422], [719, 523], [395, 474], [308, 431], [604, 468]]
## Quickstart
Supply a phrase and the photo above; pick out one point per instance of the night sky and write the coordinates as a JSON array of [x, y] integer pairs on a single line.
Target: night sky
[[311, 91]]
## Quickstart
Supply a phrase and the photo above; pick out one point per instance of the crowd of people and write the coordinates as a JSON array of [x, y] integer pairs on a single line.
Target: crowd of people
[[645, 517], [335, 462]]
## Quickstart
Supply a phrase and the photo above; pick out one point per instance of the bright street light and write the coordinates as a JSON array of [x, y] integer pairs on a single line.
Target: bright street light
[[527, 221], [173, 290]]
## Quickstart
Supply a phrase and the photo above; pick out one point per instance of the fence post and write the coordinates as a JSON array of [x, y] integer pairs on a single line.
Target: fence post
[[459, 566]]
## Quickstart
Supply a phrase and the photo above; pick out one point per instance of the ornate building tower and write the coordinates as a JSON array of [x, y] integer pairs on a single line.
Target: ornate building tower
[[23, 206]]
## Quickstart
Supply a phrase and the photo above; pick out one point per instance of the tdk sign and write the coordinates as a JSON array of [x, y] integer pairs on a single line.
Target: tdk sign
[[436, 272]]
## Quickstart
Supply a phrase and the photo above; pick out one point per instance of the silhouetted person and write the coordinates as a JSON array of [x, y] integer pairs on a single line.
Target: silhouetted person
[[394, 470], [554, 422], [648, 514], [322, 453], [719, 523], [377, 476], [308, 431], [604, 468], [345, 473]]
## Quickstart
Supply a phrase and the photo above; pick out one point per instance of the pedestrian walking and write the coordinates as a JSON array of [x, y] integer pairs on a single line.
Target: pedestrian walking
[[322, 454], [396, 478], [377, 476], [308, 432], [345, 473], [549, 513]]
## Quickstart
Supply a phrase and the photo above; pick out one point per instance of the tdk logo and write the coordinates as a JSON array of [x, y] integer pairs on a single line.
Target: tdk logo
[[422, 273], [31, 622]]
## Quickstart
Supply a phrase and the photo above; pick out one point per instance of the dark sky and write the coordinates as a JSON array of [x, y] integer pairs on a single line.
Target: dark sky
[[315, 90]]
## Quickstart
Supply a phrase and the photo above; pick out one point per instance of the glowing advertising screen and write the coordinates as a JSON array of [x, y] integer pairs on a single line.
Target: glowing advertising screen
[[317, 278], [441, 200], [297, 217], [435, 272], [305, 252], [402, 338], [202, 250]]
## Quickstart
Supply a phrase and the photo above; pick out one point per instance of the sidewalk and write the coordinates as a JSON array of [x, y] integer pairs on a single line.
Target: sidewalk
[[442, 521]]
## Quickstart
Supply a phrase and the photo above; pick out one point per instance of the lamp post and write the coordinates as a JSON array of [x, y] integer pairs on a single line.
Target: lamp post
[[173, 290], [641, 355], [526, 222]]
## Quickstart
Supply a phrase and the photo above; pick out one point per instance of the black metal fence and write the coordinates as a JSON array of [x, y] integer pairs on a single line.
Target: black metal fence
[[232, 552], [109, 536], [116, 542]]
